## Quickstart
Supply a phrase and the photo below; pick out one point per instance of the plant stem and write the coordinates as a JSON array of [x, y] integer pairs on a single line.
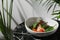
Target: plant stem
[[11, 17], [3, 12], [7, 10], [10, 11]]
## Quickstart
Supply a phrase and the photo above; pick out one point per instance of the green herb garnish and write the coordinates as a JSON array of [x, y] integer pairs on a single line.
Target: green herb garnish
[[44, 25], [35, 24], [49, 29]]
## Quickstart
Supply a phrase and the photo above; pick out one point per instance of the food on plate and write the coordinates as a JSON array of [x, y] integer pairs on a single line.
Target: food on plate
[[41, 26]]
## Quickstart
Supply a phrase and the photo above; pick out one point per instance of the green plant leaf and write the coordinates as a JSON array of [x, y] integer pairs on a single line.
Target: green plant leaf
[[11, 17], [50, 7], [57, 16], [10, 11], [3, 28], [3, 12], [6, 30], [54, 6], [55, 13], [57, 1], [7, 10]]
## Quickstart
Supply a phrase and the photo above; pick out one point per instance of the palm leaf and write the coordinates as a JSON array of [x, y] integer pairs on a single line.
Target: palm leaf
[[3, 12], [48, 2], [7, 10], [50, 7], [56, 13], [10, 11], [3, 28], [41, 1], [45, 2], [57, 17], [54, 6], [57, 1], [11, 17], [9, 22], [6, 30]]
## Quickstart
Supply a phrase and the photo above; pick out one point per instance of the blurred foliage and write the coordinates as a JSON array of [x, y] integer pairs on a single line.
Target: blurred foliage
[[5, 27], [50, 4]]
